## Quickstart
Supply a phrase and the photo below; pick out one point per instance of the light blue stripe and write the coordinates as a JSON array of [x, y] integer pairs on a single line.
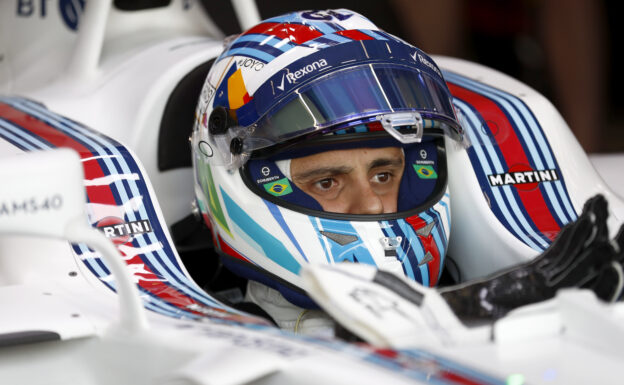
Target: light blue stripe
[[320, 42], [322, 27], [174, 314], [565, 216], [337, 251], [439, 223], [288, 18], [53, 120], [17, 139], [507, 107], [360, 128], [417, 247], [159, 305], [374, 34], [314, 222], [542, 143], [448, 214], [22, 143], [84, 250], [337, 38], [502, 98], [151, 302], [437, 236], [336, 26], [441, 241], [475, 123], [18, 135], [277, 214], [471, 118], [256, 53], [508, 190], [271, 246], [493, 156], [258, 38], [272, 42], [391, 37]]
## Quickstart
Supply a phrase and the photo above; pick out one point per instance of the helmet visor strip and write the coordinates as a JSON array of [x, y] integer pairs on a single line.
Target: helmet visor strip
[[366, 92]]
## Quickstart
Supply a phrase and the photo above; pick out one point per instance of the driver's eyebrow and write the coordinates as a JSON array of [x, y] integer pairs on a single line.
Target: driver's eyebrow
[[384, 162], [322, 171]]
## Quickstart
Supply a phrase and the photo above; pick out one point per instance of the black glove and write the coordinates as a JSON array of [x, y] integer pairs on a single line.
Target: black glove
[[609, 284], [580, 256]]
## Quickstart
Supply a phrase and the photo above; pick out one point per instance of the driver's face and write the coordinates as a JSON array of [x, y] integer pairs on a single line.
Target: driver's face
[[357, 181]]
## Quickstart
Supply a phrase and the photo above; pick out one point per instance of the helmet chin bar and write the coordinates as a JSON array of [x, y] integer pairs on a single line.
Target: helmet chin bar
[[390, 122]]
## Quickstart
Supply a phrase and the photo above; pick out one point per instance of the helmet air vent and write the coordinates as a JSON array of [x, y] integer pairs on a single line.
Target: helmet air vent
[[341, 239]]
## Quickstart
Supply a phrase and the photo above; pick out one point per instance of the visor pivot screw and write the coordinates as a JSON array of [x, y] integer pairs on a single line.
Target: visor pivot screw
[[195, 211], [236, 146], [219, 121]]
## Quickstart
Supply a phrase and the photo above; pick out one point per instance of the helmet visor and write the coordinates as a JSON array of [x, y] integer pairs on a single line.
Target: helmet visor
[[362, 93]]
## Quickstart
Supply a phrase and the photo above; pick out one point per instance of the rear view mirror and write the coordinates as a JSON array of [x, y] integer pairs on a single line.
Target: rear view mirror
[[42, 194]]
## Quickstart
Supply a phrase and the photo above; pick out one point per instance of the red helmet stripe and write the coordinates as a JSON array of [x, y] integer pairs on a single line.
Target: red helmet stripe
[[429, 245], [354, 34], [296, 33]]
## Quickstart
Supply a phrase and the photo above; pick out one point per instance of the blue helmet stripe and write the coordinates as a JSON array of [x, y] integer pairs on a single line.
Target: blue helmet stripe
[[277, 214], [438, 233], [324, 241], [351, 251], [271, 246], [374, 34], [272, 46], [416, 249]]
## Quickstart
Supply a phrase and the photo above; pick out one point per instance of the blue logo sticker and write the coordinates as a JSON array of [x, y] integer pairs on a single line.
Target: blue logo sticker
[[71, 11]]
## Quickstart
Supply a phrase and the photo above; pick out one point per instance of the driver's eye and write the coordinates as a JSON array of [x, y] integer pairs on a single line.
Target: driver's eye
[[383, 177], [325, 184]]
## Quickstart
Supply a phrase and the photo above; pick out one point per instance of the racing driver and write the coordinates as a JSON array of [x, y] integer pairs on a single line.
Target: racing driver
[[320, 138]]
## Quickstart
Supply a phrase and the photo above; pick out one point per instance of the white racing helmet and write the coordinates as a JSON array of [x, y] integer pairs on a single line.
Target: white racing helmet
[[305, 83]]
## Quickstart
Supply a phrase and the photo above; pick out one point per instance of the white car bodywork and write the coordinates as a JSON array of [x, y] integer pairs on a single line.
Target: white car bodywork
[[61, 323]]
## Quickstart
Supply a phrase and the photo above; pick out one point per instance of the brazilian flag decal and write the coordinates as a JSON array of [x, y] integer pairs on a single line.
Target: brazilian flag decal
[[279, 187], [425, 171]]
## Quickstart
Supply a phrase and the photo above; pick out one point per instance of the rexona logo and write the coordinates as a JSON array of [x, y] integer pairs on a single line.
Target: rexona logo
[[523, 179], [121, 232], [427, 63], [292, 77], [31, 205]]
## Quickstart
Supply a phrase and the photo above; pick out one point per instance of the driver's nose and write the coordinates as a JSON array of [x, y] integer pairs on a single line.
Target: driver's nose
[[365, 201]]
